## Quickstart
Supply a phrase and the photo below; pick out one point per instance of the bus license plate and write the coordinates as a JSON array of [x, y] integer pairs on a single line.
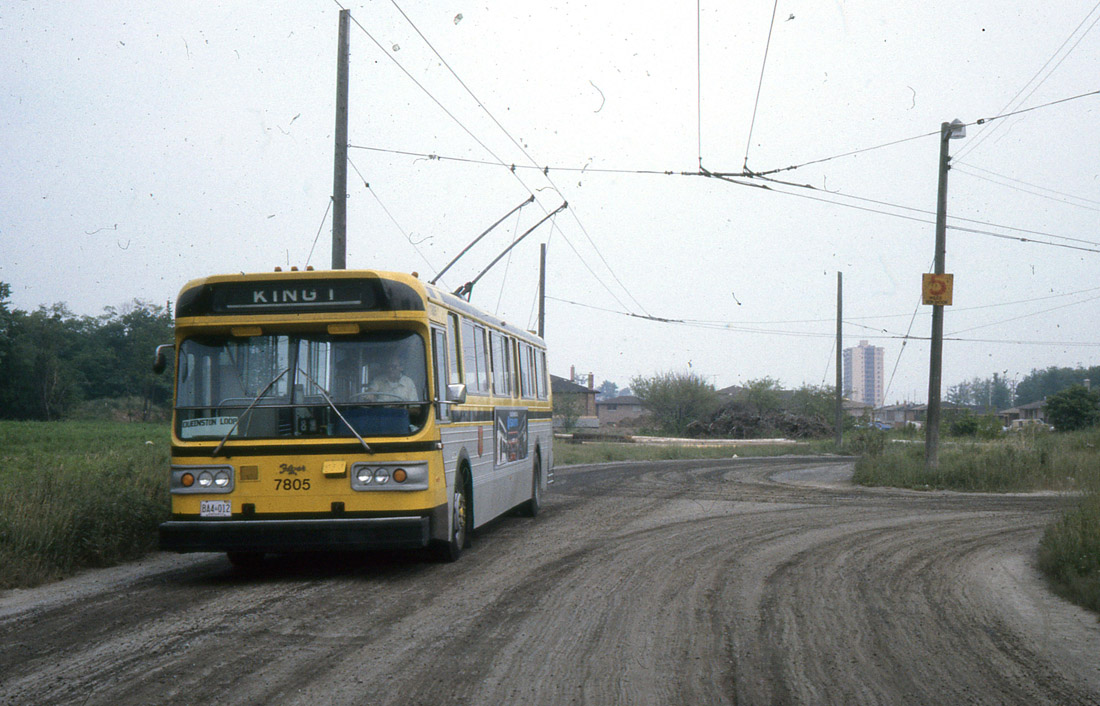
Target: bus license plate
[[215, 508]]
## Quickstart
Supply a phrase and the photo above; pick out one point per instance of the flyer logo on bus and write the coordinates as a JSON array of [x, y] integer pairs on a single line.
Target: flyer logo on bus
[[936, 290]]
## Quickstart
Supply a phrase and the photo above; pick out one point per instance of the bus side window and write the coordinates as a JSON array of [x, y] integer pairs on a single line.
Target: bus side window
[[540, 374], [501, 347], [469, 355], [452, 350], [475, 356], [439, 369], [527, 370]]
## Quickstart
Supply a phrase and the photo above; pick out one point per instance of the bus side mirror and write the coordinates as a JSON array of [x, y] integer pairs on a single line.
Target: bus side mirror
[[160, 361], [456, 393]]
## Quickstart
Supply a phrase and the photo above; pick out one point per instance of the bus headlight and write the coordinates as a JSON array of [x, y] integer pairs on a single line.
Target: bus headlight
[[389, 476], [201, 479]]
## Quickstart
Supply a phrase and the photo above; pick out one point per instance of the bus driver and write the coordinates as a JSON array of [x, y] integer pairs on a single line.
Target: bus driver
[[390, 383]]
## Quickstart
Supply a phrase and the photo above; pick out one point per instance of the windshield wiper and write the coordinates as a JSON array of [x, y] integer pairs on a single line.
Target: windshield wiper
[[255, 399], [324, 393]]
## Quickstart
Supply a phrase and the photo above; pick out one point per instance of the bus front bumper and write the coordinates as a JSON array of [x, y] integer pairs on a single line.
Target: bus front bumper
[[337, 534]]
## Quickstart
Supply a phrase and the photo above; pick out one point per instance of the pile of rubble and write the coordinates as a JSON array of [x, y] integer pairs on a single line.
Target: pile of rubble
[[736, 421]]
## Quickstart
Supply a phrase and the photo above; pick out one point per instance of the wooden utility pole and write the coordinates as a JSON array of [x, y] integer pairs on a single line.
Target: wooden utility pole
[[542, 291], [948, 131], [839, 361], [340, 159]]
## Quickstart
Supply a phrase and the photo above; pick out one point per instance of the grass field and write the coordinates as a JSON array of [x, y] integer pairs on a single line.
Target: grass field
[[1069, 553], [82, 494], [78, 494]]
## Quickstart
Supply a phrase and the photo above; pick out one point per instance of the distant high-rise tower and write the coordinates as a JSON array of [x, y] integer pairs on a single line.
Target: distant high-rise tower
[[863, 374]]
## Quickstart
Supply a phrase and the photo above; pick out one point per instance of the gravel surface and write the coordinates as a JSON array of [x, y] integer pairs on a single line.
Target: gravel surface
[[748, 581]]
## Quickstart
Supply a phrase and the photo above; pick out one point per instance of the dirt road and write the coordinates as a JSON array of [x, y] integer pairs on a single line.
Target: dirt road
[[706, 582]]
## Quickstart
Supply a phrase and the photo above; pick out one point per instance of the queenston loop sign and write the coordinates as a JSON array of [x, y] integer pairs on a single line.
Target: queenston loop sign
[[936, 290]]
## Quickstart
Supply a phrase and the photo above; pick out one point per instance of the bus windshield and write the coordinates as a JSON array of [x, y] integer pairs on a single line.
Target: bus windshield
[[301, 385]]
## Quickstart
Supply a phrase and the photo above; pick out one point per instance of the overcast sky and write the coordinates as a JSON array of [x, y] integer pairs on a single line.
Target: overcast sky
[[147, 144]]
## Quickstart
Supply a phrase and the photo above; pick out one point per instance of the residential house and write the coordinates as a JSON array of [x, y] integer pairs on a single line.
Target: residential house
[[612, 411], [1028, 413], [586, 402]]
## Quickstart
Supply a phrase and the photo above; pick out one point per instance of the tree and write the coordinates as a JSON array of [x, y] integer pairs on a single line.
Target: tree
[[990, 393], [52, 359], [762, 394], [568, 407], [1076, 407], [1040, 384], [814, 401], [676, 399], [39, 380], [608, 389]]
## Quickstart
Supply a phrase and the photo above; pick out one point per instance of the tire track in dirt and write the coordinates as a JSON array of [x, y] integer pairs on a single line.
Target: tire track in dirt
[[709, 582]]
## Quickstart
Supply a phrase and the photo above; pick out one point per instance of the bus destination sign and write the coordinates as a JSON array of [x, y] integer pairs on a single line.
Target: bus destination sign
[[292, 296], [298, 296]]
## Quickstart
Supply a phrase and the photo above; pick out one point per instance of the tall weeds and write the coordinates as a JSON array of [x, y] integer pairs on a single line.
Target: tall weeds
[[78, 494]]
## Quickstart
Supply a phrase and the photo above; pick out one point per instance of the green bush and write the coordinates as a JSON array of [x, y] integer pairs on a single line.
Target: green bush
[[1069, 553]]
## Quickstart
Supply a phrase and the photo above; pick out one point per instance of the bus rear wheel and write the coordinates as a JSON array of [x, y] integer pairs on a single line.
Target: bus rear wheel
[[531, 507]]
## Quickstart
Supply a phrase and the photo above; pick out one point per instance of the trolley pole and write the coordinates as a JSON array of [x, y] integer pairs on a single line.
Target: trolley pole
[[542, 291], [948, 131], [340, 158]]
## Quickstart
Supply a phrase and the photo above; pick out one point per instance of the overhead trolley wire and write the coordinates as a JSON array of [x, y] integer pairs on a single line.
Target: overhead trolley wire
[[428, 93], [964, 166], [393, 220], [759, 85], [699, 78], [753, 173], [932, 213], [520, 147], [1025, 316], [828, 159], [545, 169], [976, 231], [985, 133], [319, 229], [732, 178]]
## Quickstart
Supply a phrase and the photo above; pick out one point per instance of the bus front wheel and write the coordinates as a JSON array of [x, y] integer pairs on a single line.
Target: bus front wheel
[[461, 517]]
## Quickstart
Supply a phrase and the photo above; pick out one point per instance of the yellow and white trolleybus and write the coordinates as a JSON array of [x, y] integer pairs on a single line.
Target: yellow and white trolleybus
[[348, 410]]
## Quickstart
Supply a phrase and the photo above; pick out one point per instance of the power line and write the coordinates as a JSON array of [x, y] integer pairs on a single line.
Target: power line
[[729, 177], [1034, 189], [1025, 316], [699, 77], [927, 212], [835, 156], [896, 215], [982, 121], [752, 173], [426, 92], [371, 191], [986, 132], [545, 169], [759, 86], [520, 147]]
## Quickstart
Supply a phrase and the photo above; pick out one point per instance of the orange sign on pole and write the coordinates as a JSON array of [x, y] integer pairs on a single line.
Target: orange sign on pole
[[937, 289]]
